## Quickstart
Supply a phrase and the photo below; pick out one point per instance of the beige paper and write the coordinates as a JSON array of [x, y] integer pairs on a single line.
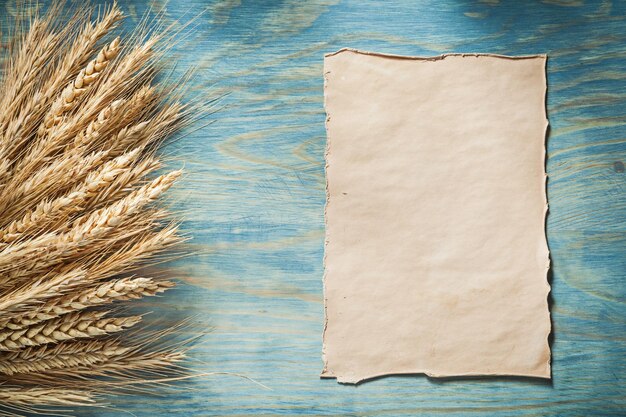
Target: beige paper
[[436, 257]]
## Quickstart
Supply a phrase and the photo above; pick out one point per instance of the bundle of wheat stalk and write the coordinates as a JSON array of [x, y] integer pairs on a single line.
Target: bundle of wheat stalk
[[81, 121]]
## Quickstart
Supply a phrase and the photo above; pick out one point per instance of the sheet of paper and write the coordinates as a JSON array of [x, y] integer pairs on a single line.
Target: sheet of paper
[[436, 258]]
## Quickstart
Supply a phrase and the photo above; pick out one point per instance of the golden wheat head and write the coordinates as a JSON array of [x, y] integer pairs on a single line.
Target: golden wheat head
[[81, 120]]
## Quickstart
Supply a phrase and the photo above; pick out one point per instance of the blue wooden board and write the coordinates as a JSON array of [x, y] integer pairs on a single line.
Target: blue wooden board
[[253, 202]]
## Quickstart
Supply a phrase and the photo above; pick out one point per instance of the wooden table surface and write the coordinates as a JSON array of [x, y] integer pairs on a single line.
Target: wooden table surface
[[253, 201]]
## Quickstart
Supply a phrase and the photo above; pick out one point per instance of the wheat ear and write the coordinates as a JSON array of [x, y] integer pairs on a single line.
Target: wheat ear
[[64, 355], [32, 257], [22, 122], [75, 90], [50, 180], [45, 397], [109, 292], [32, 295], [81, 49], [68, 327]]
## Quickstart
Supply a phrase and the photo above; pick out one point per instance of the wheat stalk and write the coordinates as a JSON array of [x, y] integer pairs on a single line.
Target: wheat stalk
[[81, 122], [71, 326], [29, 296], [46, 212], [70, 96], [49, 180], [111, 291], [44, 397], [34, 256], [82, 48], [63, 355]]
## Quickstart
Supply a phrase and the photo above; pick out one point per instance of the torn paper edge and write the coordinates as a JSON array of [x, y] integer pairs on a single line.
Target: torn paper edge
[[329, 374]]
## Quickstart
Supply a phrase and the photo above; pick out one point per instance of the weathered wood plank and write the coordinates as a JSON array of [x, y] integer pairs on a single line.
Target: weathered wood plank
[[254, 194]]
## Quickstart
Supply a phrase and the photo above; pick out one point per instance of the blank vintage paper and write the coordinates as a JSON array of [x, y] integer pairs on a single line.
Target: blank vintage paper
[[436, 257]]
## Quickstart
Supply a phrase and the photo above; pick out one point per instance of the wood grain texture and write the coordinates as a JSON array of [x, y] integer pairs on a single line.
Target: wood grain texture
[[253, 202]]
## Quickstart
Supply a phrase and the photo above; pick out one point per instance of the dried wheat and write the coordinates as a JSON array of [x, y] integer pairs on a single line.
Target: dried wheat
[[68, 327], [81, 120], [63, 355]]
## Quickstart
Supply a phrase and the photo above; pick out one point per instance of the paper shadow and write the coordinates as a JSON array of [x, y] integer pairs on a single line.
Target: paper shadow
[[446, 379]]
